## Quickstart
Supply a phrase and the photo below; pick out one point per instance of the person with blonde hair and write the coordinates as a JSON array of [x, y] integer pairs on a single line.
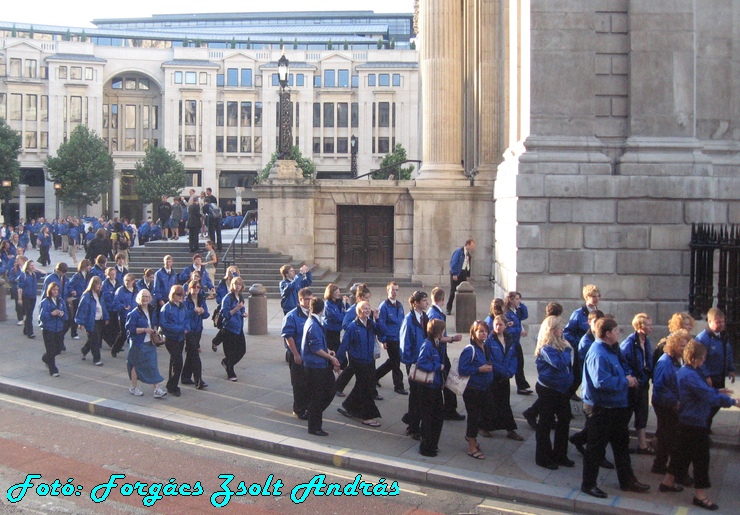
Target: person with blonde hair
[[92, 314], [335, 308], [555, 378], [719, 362], [637, 352], [174, 319], [431, 400], [475, 363], [577, 326], [233, 313], [141, 361]]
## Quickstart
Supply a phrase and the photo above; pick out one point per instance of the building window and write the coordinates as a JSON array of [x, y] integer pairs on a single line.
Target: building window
[[231, 144], [44, 109], [275, 79], [219, 114], [15, 67], [31, 71], [371, 79], [393, 114], [246, 115], [232, 77], [15, 107], [329, 78], [316, 145], [384, 114], [343, 79], [355, 115], [129, 84], [396, 79], [247, 78], [62, 72], [316, 115], [31, 108], [328, 145], [44, 73], [355, 81], [113, 144], [145, 117], [300, 80], [75, 109], [114, 116], [258, 144], [44, 139], [328, 115], [384, 79], [317, 81], [190, 143], [203, 78], [232, 114], [30, 138], [106, 116], [116, 83], [258, 122], [144, 84], [190, 112], [155, 121], [130, 115], [75, 72], [190, 78], [178, 77], [342, 114], [342, 146], [89, 73], [220, 80], [129, 144], [219, 143], [246, 144], [383, 147]]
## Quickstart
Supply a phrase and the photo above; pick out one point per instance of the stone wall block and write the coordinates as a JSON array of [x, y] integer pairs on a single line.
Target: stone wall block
[[532, 210], [595, 211], [603, 64], [595, 169], [666, 310], [620, 287], [616, 237], [649, 212], [548, 286], [532, 261], [325, 205], [605, 262], [528, 236], [728, 187], [561, 211], [648, 262], [671, 288], [734, 213], [561, 236], [529, 186], [608, 186], [620, 64], [624, 313], [565, 186], [705, 212], [571, 262]]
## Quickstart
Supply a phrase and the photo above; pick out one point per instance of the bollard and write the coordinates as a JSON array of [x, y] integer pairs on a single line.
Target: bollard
[[257, 321], [465, 307], [3, 300]]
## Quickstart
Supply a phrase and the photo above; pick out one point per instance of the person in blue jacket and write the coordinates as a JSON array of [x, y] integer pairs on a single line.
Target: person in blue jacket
[[412, 334], [696, 400], [292, 333], [44, 241], [720, 362], [359, 343], [53, 315], [431, 402], [233, 314], [108, 297], [205, 279], [98, 269], [390, 312], [361, 292], [291, 284], [164, 279], [28, 281], [436, 312], [144, 231], [124, 300], [23, 240], [335, 308], [75, 288], [93, 316], [319, 363], [475, 363], [195, 304], [577, 326], [175, 323], [461, 264], [637, 351], [515, 311], [141, 361], [605, 390], [554, 380]]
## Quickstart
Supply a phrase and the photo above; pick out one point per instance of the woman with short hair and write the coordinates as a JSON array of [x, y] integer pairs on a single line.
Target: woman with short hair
[[233, 313], [638, 353], [93, 316], [53, 314], [173, 319], [195, 304], [125, 301], [335, 308], [475, 363], [141, 361]]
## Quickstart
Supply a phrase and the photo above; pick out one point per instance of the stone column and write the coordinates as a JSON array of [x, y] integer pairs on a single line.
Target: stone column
[[441, 73], [239, 192], [116, 194], [22, 202]]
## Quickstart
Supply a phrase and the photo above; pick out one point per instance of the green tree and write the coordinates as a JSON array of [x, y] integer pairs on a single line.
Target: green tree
[[295, 44], [387, 165], [83, 167], [160, 173], [330, 45], [13, 32], [304, 163], [83, 36], [30, 33], [67, 36], [380, 43], [233, 42], [10, 148]]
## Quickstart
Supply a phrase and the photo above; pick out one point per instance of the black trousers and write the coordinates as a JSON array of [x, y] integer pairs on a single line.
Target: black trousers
[[175, 349], [193, 238], [412, 418], [667, 436], [44, 258], [235, 347], [521, 381], [299, 382], [453, 287], [192, 368], [359, 403], [320, 387], [110, 331], [392, 364], [477, 402], [431, 402], [693, 449], [554, 411], [120, 340], [29, 304], [214, 233], [72, 306], [345, 377], [607, 426], [333, 340], [94, 341], [501, 416], [53, 342]]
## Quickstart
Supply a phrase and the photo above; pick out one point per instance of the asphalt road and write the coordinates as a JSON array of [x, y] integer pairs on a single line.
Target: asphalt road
[[57, 444]]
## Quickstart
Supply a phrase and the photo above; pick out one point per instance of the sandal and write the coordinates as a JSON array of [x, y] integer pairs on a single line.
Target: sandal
[[477, 455], [706, 504], [371, 423], [477, 445], [484, 433]]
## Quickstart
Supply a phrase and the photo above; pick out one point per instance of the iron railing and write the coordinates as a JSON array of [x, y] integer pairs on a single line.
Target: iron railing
[[231, 250]]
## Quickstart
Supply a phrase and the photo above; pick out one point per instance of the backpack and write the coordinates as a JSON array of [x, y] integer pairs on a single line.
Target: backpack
[[214, 211], [122, 237]]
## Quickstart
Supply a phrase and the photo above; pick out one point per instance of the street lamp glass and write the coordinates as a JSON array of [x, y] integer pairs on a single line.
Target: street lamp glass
[[7, 183], [283, 65]]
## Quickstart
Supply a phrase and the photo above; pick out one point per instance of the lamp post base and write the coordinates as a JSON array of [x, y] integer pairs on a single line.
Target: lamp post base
[[285, 169]]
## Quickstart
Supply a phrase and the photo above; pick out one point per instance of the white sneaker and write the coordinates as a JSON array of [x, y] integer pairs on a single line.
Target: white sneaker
[[135, 391], [20, 322], [98, 363], [75, 337], [159, 393]]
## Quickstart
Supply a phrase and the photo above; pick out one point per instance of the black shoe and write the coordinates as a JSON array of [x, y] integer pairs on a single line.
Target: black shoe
[[113, 354], [64, 348], [575, 398], [448, 312], [659, 470], [524, 391], [686, 481], [32, 336], [705, 503], [594, 491], [429, 454], [302, 415], [566, 462], [187, 381], [413, 434], [635, 486], [401, 391], [453, 416], [579, 446], [320, 432], [673, 488], [606, 464], [200, 385], [531, 418], [548, 466], [175, 392]]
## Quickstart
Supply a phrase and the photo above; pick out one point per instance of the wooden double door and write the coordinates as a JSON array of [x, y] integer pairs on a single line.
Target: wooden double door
[[365, 238]]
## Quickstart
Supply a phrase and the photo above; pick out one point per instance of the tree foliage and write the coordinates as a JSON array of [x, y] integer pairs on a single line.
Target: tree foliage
[[304, 163], [83, 167], [387, 167], [10, 148], [160, 173]]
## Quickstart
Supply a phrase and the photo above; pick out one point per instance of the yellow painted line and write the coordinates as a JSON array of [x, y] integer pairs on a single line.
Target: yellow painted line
[[505, 510], [91, 405], [682, 510], [337, 458]]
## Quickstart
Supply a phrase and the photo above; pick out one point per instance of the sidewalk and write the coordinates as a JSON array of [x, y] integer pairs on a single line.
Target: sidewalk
[[255, 412]]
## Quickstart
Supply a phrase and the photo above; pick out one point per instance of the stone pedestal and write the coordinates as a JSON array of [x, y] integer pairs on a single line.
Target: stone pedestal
[[239, 199], [465, 308], [285, 169], [22, 202]]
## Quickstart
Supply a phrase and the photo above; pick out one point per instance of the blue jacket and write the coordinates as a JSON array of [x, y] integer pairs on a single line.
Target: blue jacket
[[292, 327], [719, 357], [144, 229], [577, 326], [412, 335], [359, 341], [697, 398], [174, 321], [86, 312], [314, 340], [232, 323], [604, 378], [665, 383], [431, 358], [586, 341], [503, 358], [392, 318], [457, 261], [120, 274], [205, 279], [515, 331], [49, 322], [59, 281], [195, 321], [122, 298], [97, 271], [471, 359], [108, 296], [78, 284], [640, 362], [349, 316], [29, 282], [289, 290], [334, 312], [44, 240], [554, 368], [137, 318], [163, 283], [222, 290]]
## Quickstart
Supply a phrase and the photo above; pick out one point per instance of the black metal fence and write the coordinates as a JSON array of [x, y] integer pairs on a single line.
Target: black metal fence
[[715, 260]]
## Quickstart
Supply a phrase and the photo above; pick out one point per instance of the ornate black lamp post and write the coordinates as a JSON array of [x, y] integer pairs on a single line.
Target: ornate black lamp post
[[57, 189], [7, 186], [285, 137], [353, 155]]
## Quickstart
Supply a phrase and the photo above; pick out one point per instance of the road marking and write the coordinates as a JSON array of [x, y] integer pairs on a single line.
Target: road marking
[[337, 459], [91, 405]]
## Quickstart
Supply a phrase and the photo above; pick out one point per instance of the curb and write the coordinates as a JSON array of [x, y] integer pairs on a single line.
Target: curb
[[448, 478]]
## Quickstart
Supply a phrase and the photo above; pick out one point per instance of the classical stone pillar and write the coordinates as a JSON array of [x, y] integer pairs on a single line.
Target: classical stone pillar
[[441, 70], [22, 202], [116, 194], [239, 192]]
